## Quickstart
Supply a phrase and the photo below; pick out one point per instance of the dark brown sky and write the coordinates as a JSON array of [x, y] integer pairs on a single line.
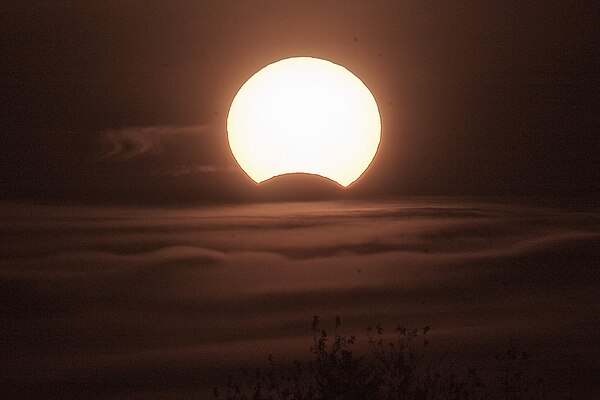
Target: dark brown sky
[[127, 101]]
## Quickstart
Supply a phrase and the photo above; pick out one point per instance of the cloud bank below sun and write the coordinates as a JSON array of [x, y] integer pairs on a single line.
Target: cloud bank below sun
[[137, 288]]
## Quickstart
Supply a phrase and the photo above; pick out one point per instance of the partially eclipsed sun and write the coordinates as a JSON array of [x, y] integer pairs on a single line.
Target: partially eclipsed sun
[[304, 115]]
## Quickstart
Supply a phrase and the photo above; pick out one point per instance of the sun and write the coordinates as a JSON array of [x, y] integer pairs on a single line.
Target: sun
[[304, 115]]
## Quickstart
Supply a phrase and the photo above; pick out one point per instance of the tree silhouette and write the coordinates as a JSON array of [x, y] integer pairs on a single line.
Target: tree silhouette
[[397, 369]]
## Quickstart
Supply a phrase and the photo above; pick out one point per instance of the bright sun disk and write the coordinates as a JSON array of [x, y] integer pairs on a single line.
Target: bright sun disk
[[304, 115]]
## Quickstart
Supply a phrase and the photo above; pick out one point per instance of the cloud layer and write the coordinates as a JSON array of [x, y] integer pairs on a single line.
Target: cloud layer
[[127, 302]]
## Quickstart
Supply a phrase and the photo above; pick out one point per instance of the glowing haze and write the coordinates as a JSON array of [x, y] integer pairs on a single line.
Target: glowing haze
[[304, 115]]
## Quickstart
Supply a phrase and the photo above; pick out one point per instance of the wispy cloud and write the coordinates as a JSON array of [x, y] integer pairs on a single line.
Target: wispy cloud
[[130, 142], [182, 170]]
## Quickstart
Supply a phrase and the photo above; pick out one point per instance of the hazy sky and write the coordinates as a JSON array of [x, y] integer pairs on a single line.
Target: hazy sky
[[119, 101], [125, 103]]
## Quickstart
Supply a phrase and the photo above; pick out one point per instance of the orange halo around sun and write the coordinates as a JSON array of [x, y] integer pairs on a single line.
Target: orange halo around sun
[[304, 115]]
